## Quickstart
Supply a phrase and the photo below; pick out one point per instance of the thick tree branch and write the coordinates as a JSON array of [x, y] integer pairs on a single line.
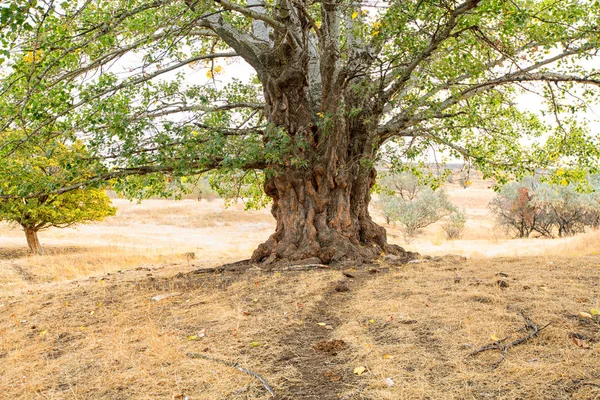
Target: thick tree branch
[[252, 14]]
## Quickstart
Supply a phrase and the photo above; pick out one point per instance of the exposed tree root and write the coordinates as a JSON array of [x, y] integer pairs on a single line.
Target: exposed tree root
[[234, 364], [530, 326]]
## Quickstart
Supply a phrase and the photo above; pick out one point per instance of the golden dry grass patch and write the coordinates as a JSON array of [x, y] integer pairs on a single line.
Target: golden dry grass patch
[[105, 337], [418, 325]]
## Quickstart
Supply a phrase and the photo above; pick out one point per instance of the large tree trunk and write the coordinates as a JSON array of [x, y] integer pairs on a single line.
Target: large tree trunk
[[324, 215], [321, 207], [32, 241]]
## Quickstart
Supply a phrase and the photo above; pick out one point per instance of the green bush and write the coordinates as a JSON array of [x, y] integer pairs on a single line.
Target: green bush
[[455, 225]]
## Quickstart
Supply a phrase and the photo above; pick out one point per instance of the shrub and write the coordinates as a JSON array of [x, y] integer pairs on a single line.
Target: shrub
[[455, 226], [526, 207], [412, 216], [513, 209]]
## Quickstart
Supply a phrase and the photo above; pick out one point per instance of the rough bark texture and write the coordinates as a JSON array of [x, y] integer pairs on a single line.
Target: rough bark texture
[[321, 208], [33, 242]]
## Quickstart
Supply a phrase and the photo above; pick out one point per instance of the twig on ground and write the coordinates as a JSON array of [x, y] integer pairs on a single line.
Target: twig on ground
[[234, 364], [305, 267], [530, 326]]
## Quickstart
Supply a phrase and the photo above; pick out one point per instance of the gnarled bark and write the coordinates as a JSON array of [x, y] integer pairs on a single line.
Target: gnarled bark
[[323, 215], [321, 207]]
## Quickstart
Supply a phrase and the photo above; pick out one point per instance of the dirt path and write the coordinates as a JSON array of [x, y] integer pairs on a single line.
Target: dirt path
[[318, 355]]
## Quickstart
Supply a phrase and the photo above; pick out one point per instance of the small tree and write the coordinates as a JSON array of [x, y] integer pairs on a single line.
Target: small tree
[[40, 170], [513, 209], [455, 226], [404, 184], [61, 211], [387, 206], [562, 205]]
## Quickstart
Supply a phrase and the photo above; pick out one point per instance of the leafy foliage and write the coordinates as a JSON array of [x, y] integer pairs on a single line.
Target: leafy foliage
[[411, 205], [44, 170], [547, 209], [448, 72], [455, 225]]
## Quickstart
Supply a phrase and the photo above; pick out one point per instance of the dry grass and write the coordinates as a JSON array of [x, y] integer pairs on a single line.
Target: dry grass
[[79, 322], [104, 338]]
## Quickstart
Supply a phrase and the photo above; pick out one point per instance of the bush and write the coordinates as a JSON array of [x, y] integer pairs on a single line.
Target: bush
[[526, 207], [455, 226], [404, 185], [413, 215], [513, 209]]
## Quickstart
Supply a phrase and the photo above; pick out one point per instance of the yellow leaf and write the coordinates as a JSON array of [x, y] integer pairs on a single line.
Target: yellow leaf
[[255, 344], [321, 323], [595, 311], [494, 337], [585, 315], [371, 320], [388, 357], [359, 370], [42, 333], [354, 14], [193, 337]]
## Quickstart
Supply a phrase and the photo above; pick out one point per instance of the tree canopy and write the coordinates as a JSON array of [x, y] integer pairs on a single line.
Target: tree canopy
[[338, 85], [36, 169]]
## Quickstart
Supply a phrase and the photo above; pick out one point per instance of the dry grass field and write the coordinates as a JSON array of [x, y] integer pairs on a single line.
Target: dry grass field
[[80, 322]]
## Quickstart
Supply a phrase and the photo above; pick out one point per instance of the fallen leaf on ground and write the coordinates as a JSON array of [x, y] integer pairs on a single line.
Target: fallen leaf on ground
[[332, 376], [359, 370], [580, 343], [494, 337], [255, 344], [585, 315], [595, 311]]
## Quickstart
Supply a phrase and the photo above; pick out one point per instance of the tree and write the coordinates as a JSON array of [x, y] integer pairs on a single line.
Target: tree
[[513, 209], [60, 211], [335, 83], [53, 165]]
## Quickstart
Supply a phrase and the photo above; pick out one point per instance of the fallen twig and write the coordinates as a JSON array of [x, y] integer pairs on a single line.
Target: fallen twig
[[234, 364], [530, 326], [304, 267]]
